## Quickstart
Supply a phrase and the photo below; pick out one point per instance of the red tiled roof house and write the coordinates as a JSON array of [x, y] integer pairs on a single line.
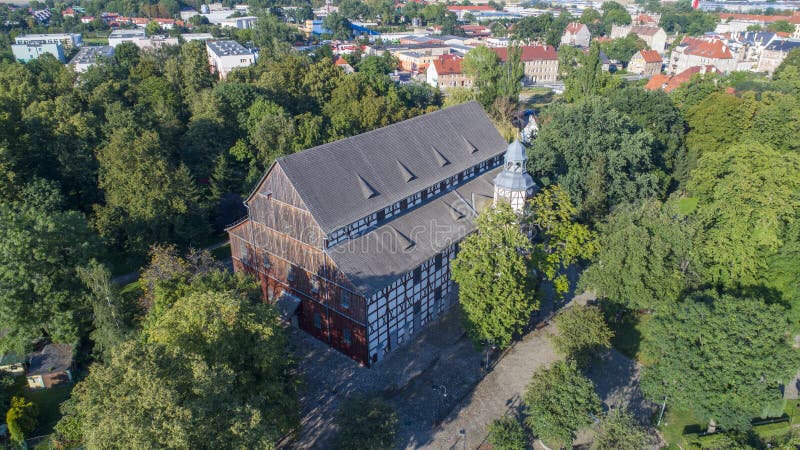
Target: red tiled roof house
[[645, 62], [540, 61]]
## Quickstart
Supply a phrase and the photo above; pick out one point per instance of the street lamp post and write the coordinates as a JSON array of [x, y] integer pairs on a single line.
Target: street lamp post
[[463, 434]]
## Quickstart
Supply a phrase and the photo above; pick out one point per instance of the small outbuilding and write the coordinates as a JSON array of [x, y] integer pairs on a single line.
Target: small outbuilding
[[50, 367]]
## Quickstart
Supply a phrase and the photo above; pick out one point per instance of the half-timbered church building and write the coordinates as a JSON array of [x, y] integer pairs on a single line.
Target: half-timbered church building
[[352, 240]]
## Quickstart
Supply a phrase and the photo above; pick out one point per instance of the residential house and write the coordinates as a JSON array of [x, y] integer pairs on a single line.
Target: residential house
[[655, 37], [669, 83], [50, 367], [645, 62], [445, 72], [692, 52], [344, 65], [540, 62], [774, 53], [224, 56], [646, 19], [576, 34], [90, 56], [354, 238]]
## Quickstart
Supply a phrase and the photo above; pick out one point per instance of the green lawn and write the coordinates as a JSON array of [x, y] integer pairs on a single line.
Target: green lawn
[[687, 205], [675, 423], [48, 401]]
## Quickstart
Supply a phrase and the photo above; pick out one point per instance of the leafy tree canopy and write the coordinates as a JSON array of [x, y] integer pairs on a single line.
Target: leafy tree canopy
[[747, 196], [722, 357], [646, 258], [491, 269], [560, 240], [560, 401], [40, 248], [598, 155], [212, 371], [582, 334]]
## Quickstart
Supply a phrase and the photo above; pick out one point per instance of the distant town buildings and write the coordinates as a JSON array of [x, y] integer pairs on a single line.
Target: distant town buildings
[[669, 83], [28, 52], [774, 53], [138, 37], [540, 62], [445, 72], [654, 36], [692, 52], [119, 36], [645, 62], [224, 56], [89, 56], [576, 34], [67, 40]]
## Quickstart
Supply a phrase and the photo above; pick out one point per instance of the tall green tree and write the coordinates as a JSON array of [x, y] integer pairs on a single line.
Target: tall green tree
[[618, 430], [21, 419], [582, 334], [366, 423], [41, 247], [747, 196], [212, 371], [483, 65], [560, 240], [114, 314], [587, 77], [147, 199], [599, 156], [646, 260], [506, 433], [491, 270], [559, 401], [722, 357]]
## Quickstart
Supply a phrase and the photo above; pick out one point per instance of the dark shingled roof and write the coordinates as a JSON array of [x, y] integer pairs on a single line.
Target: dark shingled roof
[[343, 181], [376, 259], [52, 359]]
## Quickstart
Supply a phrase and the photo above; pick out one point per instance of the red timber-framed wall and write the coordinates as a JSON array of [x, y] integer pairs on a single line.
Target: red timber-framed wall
[[278, 220]]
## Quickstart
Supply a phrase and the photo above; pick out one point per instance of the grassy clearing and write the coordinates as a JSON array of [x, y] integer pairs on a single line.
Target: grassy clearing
[[687, 205], [676, 423]]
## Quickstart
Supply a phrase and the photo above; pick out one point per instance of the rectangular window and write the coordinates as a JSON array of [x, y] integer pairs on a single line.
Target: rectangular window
[[381, 215], [290, 273], [417, 275], [315, 285], [347, 335], [266, 264], [345, 299], [317, 321], [403, 204], [438, 261]]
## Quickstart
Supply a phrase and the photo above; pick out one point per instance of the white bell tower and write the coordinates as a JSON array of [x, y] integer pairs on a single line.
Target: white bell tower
[[514, 185]]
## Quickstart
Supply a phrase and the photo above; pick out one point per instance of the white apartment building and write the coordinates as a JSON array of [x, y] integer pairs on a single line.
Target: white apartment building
[[224, 56]]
